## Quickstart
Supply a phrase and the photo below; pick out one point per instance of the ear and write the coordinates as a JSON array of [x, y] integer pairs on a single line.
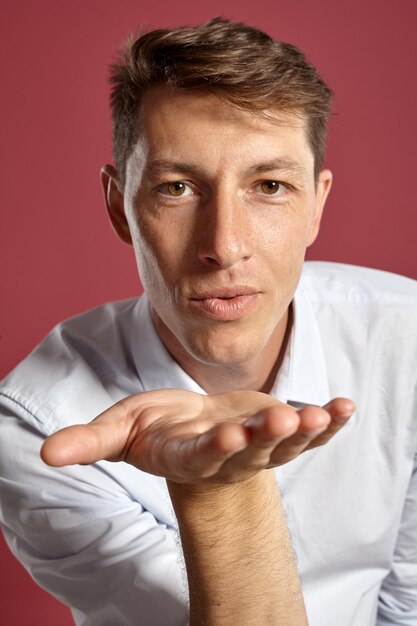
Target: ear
[[113, 197], [323, 187]]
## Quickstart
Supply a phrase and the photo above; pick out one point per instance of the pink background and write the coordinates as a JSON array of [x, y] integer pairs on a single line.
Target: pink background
[[58, 253]]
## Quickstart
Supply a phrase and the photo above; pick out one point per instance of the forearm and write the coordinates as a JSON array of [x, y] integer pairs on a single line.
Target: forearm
[[237, 550], [240, 564]]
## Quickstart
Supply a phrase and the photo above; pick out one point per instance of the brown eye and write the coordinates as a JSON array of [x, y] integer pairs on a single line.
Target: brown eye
[[270, 187], [176, 189]]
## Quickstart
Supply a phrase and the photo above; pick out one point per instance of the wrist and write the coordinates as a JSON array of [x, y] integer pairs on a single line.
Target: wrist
[[213, 494]]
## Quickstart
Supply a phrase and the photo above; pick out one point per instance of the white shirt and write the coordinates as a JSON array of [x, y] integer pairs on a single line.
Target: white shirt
[[103, 538]]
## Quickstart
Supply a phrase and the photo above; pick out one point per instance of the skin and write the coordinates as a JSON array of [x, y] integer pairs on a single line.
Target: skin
[[216, 198], [223, 230]]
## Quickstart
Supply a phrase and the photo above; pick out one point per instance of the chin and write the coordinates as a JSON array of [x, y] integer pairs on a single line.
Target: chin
[[225, 351], [227, 344]]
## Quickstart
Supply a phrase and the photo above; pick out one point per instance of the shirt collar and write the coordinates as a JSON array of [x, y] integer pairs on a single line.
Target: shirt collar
[[302, 376], [155, 366]]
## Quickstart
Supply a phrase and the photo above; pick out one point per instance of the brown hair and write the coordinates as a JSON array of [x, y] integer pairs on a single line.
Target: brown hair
[[239, 64]]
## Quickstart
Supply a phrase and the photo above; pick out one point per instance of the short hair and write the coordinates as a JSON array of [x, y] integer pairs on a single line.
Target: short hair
[[239, 64]]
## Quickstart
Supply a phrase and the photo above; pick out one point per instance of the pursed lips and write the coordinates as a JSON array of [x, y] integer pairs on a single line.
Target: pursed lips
[[225, 293], [225, 303]]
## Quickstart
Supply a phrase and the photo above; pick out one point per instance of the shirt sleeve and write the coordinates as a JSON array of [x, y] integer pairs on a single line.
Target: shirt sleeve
[[398, 594], [84, 539]]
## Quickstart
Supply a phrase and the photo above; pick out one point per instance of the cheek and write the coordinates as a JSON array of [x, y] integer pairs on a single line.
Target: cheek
[[285, 238], [284, 246], [159, 254]]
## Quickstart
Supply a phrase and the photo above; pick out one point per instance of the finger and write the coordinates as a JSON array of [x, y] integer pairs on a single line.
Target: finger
[[340, 411], [313, 421], [275, 422], [75, 444], [317, 427], [266, 429], [205, 455], [104, 438]]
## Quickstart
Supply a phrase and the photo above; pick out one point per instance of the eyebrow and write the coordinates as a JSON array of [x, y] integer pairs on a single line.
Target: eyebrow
[[162, 165], [283, 164]]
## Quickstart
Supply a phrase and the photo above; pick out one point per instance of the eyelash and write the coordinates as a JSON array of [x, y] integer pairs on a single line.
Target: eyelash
[[163, 189], [276, 182]]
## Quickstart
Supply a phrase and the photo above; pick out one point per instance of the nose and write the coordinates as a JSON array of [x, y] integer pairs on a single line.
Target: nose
[[224, 235]]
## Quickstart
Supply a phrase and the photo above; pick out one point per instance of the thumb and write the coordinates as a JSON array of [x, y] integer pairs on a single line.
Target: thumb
[[105, 438]]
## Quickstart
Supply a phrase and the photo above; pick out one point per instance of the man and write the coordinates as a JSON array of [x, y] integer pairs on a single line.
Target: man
[[214, 380]]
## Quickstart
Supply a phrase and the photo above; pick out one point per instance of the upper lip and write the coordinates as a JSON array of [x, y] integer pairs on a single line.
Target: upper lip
[[225, 292]]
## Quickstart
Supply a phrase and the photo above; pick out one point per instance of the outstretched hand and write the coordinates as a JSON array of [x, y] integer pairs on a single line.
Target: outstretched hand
[[191, 438]]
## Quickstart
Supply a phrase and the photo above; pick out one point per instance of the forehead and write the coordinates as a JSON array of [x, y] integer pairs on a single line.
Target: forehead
[[179, 124]]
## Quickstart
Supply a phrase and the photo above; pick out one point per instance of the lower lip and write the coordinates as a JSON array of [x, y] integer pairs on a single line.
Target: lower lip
[[226, 310]]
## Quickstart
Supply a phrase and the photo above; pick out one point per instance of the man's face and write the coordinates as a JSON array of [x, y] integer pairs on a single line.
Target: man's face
[[221, 205]]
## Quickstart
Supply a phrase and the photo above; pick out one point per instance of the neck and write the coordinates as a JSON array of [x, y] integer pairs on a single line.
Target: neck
[[256, 374]]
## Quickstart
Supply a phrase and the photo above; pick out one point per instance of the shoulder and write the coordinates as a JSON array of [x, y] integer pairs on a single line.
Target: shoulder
[[366, 312], [367, 323], [74, 366], [361, 303], [351, 284]]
